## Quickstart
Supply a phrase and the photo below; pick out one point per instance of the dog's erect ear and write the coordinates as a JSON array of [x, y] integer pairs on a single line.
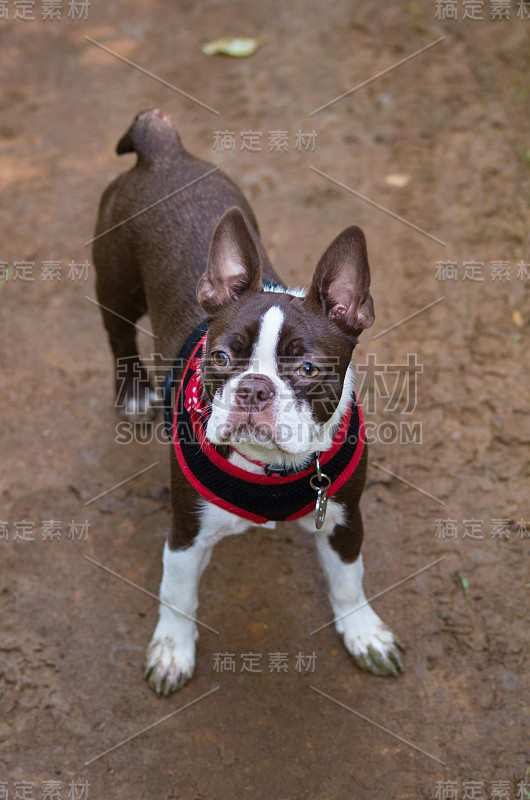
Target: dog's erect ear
[[341, 283], [233, 264]]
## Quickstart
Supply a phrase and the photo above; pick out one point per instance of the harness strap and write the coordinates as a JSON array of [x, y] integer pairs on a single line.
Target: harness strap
[[276, 495], [171, 375], [258, 498]]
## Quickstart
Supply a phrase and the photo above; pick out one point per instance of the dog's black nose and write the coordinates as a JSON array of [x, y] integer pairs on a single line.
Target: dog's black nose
[[255, 392]]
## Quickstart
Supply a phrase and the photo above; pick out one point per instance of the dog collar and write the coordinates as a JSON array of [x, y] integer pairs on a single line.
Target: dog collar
[[275, 495]]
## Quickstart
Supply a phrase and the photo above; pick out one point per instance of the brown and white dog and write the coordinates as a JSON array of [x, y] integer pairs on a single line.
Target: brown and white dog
[[272, 384]]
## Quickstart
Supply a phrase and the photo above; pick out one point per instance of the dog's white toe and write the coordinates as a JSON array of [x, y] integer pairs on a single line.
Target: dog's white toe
[[371, 644], [141, 408], [168, 667]]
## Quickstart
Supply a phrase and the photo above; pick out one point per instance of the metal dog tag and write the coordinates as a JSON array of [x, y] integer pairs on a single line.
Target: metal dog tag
[[321, 483], [321, 508]]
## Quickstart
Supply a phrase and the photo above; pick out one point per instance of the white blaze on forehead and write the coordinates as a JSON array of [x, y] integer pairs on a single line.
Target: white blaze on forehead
[[264, 355], [289, 426]]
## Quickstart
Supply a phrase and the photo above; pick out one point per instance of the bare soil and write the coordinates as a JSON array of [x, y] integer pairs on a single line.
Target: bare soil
[[454, 121]]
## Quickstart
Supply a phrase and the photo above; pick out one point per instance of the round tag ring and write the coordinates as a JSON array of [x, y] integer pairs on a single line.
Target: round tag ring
[[321, 479]]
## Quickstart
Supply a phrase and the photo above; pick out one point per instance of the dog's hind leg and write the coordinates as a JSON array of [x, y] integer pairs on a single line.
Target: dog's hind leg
[[120, 311]]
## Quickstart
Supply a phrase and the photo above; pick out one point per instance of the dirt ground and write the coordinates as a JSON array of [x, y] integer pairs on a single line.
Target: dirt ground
[[452, 125]]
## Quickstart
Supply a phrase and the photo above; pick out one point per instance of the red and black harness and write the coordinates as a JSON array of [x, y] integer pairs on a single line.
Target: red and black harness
[[277, 494]]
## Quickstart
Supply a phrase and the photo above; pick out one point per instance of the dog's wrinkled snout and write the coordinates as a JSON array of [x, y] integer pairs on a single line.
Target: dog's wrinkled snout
[[255, 392]]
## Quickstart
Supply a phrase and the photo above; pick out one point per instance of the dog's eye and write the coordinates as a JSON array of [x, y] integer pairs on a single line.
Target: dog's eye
[[308, 370], [220, 359]]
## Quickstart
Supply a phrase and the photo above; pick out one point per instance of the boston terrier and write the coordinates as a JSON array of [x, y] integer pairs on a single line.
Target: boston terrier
[[260, 404]]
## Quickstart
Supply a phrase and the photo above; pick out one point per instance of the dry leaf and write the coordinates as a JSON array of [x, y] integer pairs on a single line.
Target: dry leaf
[[517, 319], [236, 46], [399, 181]]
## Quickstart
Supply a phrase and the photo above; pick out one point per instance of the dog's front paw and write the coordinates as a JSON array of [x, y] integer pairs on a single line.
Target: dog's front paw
[[168, 667], [372, 645]]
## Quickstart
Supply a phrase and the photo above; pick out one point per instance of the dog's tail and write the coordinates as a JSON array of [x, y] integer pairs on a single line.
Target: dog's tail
[[152, 135]]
